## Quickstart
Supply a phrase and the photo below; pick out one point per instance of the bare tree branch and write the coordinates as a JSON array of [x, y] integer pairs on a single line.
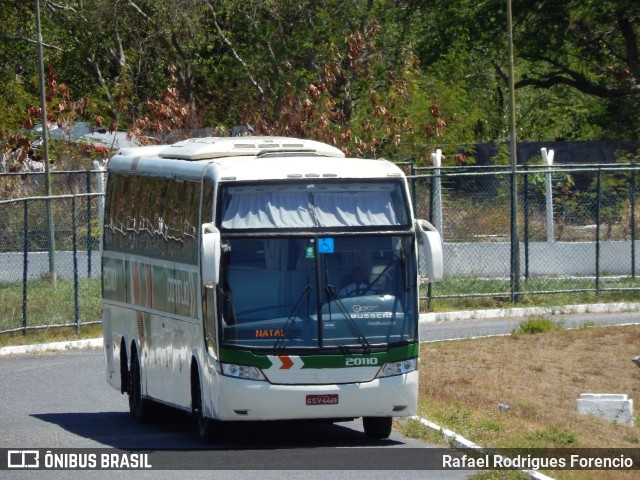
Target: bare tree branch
[[29, 40], [119, 56], [139, 10], [566, 76], [579, 83], [54, 6]]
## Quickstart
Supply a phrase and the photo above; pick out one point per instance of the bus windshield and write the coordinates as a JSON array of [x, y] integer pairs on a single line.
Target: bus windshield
[[304, 205], [318, 292]]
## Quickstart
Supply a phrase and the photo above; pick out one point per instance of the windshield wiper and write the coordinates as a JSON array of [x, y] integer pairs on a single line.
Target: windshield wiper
[[353, 327], [292, 317]]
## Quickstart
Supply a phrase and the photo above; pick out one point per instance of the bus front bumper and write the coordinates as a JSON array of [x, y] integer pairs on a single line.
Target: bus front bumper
[[248, 400]]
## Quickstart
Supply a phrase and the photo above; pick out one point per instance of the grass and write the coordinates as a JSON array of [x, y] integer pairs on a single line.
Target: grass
[[48, 335], [536, 324], [49, 304], [520, 391], [462, 293]]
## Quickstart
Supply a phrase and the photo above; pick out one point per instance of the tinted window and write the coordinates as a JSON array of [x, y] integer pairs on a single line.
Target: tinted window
[[152, 216]]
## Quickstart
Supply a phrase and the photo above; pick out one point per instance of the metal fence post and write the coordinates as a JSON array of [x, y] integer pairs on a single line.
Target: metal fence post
[[515, 240], [633, 222], [25, 270], [45, 151], [526, 220], [74, 228], [89, 232], [414, 187], [431, 207], [598, 207]]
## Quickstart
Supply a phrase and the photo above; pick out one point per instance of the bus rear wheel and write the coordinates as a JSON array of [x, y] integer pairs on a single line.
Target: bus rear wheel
[[377, 427], [138, 406]]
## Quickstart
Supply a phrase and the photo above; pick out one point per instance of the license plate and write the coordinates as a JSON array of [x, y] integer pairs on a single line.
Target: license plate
[[329, 399]]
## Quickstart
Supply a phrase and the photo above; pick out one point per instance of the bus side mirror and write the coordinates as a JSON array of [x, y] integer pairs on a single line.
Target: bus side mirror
[[431, 245], [210, 255]]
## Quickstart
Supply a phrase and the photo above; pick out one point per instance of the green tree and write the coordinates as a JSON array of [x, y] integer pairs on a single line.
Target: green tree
[[432, 72], [337, 71], [577, 63]]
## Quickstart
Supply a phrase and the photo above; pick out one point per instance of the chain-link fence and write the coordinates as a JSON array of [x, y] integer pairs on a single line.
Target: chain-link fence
[[576, 227], [50, 280], [578, 236]]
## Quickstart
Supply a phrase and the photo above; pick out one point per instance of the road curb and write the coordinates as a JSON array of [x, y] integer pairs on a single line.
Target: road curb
[[458, 441], [528, 312], [52, 347]]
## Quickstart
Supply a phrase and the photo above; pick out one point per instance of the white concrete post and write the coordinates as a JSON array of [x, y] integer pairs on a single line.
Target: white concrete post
[[548, 161], [436, 158], [101, 165], [615, 407]]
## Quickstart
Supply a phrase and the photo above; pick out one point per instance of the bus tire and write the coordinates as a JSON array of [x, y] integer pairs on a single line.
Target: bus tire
[[124, 369], [138, 406], [209, 430], [377, 427]]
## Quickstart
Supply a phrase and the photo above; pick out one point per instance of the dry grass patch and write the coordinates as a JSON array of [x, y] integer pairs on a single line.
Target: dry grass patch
[[521, 390]]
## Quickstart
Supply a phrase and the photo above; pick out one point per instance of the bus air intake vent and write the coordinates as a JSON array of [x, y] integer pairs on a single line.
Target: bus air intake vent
[[220, 147], [287, 153]]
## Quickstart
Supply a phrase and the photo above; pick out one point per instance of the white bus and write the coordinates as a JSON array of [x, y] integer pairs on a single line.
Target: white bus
[[263, 278]]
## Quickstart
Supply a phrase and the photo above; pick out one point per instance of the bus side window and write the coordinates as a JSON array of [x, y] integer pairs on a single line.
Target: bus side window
[[206, 211]]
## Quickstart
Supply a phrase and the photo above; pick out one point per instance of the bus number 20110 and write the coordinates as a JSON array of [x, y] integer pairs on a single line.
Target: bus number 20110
[[360, 361]]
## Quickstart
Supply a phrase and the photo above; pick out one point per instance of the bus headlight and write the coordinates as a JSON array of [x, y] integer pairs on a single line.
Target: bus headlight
[[398, 368], [242, 371]]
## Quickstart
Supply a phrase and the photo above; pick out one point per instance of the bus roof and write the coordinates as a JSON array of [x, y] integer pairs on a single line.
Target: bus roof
[[251, 158]]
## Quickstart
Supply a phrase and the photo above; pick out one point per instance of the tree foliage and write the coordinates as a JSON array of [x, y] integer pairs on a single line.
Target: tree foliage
[[374, 77], [575, 61]]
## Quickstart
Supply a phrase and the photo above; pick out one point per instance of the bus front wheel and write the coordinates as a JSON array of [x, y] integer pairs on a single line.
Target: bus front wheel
[[377, 427], [209, 430]]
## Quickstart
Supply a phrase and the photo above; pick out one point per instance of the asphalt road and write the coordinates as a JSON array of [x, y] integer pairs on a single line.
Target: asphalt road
[[61, 400], [459, 329]]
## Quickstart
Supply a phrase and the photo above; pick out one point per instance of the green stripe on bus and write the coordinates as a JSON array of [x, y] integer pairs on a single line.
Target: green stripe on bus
[[244, 357]]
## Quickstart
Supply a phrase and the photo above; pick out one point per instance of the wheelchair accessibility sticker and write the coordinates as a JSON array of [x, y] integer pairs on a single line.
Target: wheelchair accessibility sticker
[[326, 245]]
